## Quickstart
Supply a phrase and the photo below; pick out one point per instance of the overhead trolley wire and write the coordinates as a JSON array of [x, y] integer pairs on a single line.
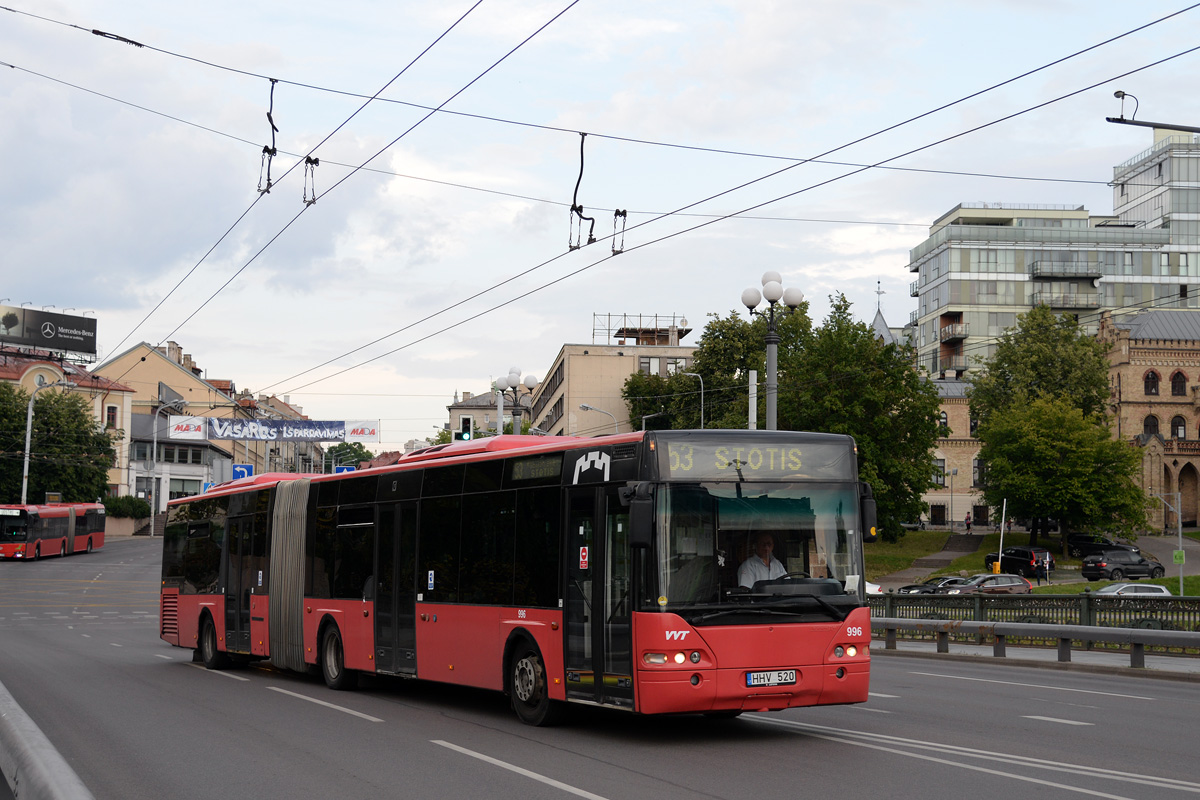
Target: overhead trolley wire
[[574, 132], [694, 227], [259, 197]]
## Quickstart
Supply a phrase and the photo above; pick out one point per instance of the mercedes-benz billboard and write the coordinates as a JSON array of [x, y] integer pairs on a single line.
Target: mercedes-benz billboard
[[28, 327]]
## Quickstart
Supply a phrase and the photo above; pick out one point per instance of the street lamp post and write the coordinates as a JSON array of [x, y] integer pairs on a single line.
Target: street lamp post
[[29, 435], [178, 406], [651, 416], [772, 292], [616, 425], [512, 381], [696, 375]]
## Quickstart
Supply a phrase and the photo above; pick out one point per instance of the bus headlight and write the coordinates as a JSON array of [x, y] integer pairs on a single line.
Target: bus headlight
[[655, 658], [852, 651], [680, 658]]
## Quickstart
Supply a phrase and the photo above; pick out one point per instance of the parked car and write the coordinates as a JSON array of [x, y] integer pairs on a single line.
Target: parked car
[[1021, 560], [987, 583], [1135, 589], [872, 588], [931, 585], [1115, 565], [1088, 544]]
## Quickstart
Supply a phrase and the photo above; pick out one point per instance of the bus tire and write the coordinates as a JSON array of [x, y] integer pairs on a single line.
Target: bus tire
[[62, 550], [89, 544], [37, 552], [212, 657], [529, 688], [333, 661]]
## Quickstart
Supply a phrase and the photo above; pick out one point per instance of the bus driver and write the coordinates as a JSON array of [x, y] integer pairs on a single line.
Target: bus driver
[[763, 565]]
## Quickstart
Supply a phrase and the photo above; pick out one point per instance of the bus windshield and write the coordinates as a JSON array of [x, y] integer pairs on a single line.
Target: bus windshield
[[12, 529], [737, 542]]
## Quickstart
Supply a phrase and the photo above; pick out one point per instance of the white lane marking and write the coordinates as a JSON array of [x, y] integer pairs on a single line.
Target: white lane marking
[[219, 672], [520, 771], [160, 655], [972, 767], [846, 735], [114, 644], [1034, 686], [874, 710], [877, 694], [86, 635], [1060, 721], [343, 709]]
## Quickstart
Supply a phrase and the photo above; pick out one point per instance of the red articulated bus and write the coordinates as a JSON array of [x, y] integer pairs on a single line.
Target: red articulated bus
[[30, 532], [616, 571]]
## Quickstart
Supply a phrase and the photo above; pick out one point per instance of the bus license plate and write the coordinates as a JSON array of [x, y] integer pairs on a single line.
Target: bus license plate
[[779, 677]]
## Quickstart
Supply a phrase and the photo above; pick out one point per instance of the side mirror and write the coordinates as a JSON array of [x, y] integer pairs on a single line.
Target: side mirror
[[869, 514], [641, 514]]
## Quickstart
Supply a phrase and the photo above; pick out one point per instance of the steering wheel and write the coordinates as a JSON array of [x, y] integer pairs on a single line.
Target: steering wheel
[[797, 575]]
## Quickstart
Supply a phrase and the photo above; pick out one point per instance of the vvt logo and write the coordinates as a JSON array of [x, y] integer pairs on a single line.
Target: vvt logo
[[595, 460], [677, 635]]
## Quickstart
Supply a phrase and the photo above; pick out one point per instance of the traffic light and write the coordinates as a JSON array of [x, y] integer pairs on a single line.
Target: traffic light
[[464, 434]]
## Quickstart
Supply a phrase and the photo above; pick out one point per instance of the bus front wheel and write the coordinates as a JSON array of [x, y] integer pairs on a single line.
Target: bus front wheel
[[333, 661], [530, 694], [213, 657]]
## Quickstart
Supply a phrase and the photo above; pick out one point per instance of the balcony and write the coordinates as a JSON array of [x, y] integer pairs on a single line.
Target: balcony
[[914, 288], [913, 316], [1066, 300], [1064, 269], [955, 333], [954, 364]]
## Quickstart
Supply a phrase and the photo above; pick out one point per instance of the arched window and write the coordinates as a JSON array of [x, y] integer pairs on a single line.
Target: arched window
[[1178, 428], [1151, 382], [1150, 425], [944, 420], [1178, 384]]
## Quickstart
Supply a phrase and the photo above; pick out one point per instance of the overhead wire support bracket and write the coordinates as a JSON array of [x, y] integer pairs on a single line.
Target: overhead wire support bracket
[[574, 237], [268, 151], [310, 167], [618, 240]]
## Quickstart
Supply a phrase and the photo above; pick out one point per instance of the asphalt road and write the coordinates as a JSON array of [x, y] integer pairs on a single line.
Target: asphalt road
[[136, 719]]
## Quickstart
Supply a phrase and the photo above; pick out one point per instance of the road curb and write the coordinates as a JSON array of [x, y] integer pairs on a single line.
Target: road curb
[[32, 767], [1069, 666]]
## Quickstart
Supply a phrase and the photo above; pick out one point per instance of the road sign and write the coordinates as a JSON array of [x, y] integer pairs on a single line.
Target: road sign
[[207, 486], [344, 468], [1177, 557], [242, 471]]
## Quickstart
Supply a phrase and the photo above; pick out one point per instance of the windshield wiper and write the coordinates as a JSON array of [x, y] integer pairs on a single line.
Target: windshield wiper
[[833, 610]]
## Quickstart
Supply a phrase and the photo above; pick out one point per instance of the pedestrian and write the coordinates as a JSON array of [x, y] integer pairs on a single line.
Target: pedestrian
[[968, 522], [1040, 571]]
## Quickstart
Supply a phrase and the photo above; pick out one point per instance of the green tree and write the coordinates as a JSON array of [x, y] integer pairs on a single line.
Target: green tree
[[1049, 459], [1044, 357], [69, 451], [346, 453]]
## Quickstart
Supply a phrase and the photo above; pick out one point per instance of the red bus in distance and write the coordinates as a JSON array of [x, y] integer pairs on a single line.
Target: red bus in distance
[[57, 529], [614, 571]]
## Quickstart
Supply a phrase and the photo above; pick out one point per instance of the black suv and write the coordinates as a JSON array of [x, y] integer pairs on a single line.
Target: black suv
[[1021, 560], [1115, 565], [1090, 544]]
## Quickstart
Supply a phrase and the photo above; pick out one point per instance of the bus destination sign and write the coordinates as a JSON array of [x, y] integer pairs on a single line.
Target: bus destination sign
[[700, 460]]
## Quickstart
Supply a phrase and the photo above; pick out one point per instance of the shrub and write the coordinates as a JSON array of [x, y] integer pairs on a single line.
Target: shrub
[[127, 507]]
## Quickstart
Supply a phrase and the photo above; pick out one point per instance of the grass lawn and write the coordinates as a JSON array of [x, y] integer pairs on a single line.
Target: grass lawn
[[883, 558]]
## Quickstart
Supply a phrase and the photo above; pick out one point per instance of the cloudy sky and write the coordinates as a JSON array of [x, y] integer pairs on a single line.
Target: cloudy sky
[[130, 174]]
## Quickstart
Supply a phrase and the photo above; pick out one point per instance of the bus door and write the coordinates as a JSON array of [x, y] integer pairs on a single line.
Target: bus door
[[599, 665], [395, 589], [70, 530], [239, 583]]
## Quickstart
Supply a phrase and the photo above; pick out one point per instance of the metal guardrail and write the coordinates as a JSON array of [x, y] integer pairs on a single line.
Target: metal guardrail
[[33, 768], [1126, 611], [1137, 639]]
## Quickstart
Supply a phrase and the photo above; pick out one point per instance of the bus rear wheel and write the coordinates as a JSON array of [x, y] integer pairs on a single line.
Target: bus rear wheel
[[333, 661], [62, 550], [530, 696], [89, 546], [213, 657]]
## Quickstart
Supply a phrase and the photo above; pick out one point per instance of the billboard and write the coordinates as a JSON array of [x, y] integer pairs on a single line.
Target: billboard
[[270, 430], [45, 330]]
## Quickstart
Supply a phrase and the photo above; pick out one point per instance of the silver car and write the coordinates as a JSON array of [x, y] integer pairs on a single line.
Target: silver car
[[1135, 590]]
